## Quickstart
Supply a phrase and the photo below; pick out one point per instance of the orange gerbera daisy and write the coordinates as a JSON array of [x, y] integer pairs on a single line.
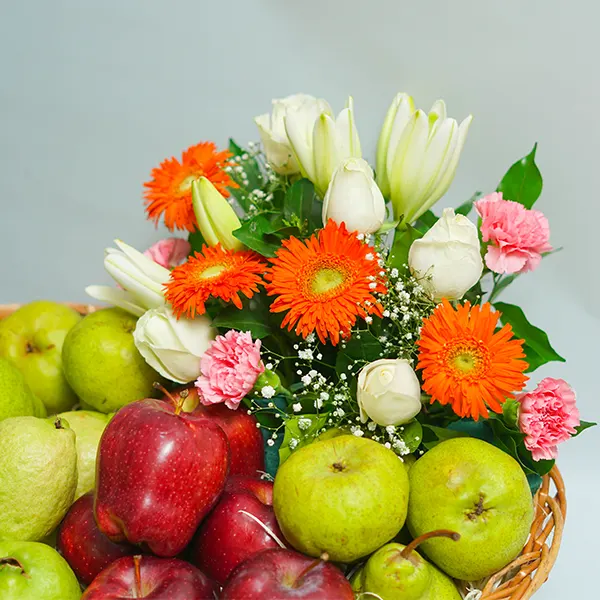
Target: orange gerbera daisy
[[169, 192], [466, 363], [325, 283], [215, 273]]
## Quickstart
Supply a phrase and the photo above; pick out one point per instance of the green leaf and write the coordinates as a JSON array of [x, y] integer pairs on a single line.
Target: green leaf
[[412, 435], [196, 240], [583, 425], [271, 452], [303, 436], [256, 234], [363, 349], [440, 434], [300, 201], [500, 284], [269, 417], [246, 319], [523, 181], [466, 207], [537, 348], [426, 221], [402, 242]]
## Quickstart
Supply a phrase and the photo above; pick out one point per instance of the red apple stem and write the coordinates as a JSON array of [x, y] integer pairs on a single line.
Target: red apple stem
[[426, 536], [11, 561], [138, 576], [178, 404], [323, 558]]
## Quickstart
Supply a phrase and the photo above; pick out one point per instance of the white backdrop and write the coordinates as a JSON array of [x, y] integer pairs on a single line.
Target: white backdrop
[[94, 94]]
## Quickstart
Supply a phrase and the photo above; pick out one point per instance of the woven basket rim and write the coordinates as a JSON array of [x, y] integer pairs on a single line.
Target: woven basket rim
[[526, 574]]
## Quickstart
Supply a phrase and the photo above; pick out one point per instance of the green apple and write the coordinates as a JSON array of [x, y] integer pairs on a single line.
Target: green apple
[[38, 476], [471, 487], [32, 339], [345, 496], [16, 397], [34, 571], [103, 365], [88, 427]]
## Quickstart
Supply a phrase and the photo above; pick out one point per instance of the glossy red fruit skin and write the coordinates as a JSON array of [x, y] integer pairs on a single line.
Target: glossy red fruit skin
[[159, 579], [246, 444], [158, 474], [87, 550], [278, 575], [227, 537]]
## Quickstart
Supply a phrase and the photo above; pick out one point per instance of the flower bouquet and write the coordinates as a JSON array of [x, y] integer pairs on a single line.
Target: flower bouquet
[[318, 393]]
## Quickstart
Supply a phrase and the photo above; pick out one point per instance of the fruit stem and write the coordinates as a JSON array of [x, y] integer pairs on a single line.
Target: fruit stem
[[138, 576], [178, 404], [11, 561], [323, 558], [58, 423], [422, 538]]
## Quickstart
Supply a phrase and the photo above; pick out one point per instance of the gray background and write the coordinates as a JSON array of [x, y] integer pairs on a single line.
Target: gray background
[[94, 94]]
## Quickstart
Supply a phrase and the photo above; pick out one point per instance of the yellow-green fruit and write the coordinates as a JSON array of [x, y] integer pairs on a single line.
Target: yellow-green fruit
[[16, 397], [38, 476], [442, 587], [471, 487], [330, 434], [33, 571], [103, 365], [356, 580], [88, 427], [345, 496], [32, 339]]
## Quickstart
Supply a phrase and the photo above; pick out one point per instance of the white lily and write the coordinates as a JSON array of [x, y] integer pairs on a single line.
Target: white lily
[[417, 155], [140, 278], [320, 142]]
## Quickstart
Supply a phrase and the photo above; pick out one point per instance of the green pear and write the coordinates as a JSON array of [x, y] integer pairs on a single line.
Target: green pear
[[400, 572], [16, 397], [471, 487], [34, 571], [442, 587], [32, 339], [38, 476], [88, 427], [345, 496], [103, 365], [356, 580]]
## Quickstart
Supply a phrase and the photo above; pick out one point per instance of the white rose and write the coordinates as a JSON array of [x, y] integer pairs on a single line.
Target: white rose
[[388, 392], [173, 347], [272, 129], [448, 257], [354, 198]]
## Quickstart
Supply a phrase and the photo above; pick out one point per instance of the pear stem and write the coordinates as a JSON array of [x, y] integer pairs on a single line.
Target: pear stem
[[323, 558], [178, 404], [58, 423], [138, 575], [422, 538]]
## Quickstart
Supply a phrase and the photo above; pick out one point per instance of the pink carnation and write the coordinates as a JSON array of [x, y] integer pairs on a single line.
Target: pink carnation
[[169, 253], [230, 368], [547, 417], [518, 235]]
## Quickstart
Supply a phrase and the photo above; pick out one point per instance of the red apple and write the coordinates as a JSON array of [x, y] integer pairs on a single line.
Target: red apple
[[159, 472], [232, 532], [246, 444], [279, 574], [83, 545], [150, 577]]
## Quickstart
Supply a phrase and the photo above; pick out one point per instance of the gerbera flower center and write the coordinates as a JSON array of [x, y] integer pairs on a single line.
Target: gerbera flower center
[[467, 357], [213, 271], [326, 280]]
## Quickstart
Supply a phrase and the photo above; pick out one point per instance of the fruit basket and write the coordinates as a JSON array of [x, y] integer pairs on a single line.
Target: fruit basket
[[524, 576]]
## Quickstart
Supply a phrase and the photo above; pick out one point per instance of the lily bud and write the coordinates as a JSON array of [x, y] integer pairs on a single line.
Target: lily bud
[[173, 347], [354, 198], [417, 156], [141, 280], [215, 216]]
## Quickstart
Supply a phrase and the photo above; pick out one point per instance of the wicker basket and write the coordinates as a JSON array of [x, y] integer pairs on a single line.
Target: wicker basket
[[524, 576]]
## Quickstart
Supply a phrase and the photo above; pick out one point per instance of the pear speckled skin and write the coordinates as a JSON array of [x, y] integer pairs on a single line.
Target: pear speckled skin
[[32, 339], [346, 496], [38, 476], [16, 397], [442, 587], [88, 427], [158, 474], [102, 364], [471, 487], [37, 572]]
